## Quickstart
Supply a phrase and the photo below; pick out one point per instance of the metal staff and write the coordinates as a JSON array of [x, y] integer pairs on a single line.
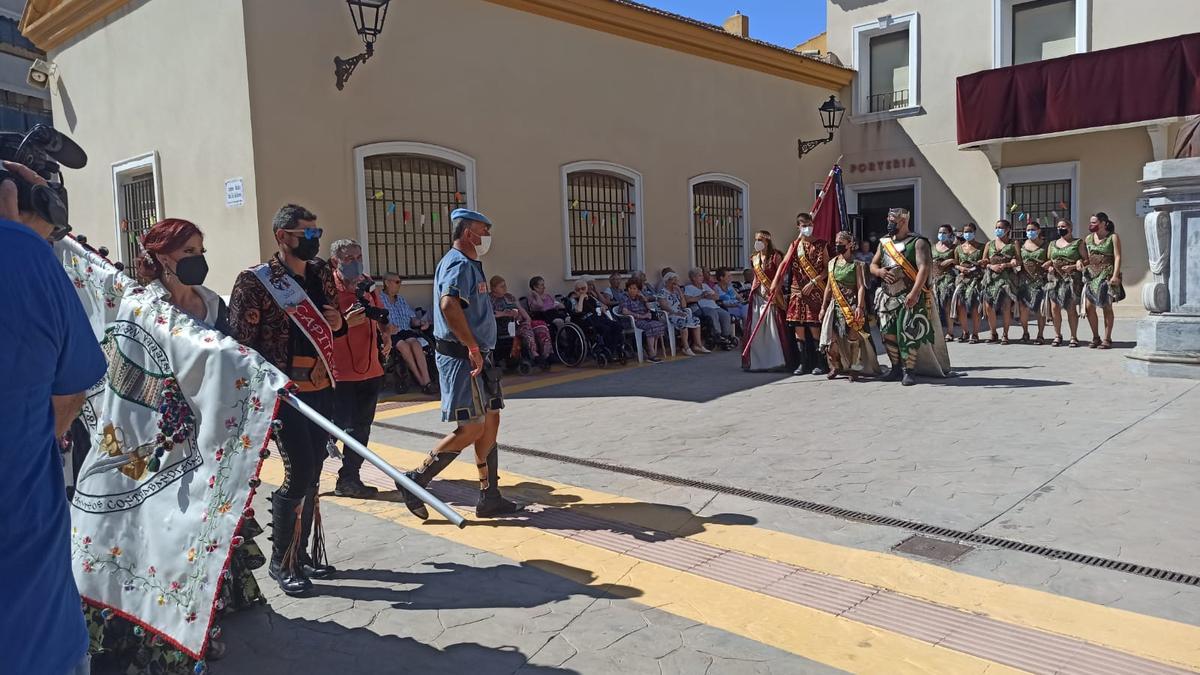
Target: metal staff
[[787, 260], [396, 475]]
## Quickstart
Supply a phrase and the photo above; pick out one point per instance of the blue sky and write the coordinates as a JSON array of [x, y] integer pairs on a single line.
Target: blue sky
[[783, 22]]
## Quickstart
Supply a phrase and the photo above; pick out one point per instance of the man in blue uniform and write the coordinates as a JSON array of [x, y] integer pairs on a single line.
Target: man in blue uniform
[[464, 328]]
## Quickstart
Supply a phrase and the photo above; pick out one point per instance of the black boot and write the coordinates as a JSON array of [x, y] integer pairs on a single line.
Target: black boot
[[314, 563], [806, 359], [820, 363], [491, 503], [285, 543], [895, 373], [908, 379], [434, 464]]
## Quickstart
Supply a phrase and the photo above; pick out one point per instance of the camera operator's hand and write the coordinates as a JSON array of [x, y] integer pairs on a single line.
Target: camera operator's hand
[[8, 200], [333, 317]]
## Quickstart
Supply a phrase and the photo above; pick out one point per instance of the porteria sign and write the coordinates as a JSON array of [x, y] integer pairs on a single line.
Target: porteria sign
[[881, 165]]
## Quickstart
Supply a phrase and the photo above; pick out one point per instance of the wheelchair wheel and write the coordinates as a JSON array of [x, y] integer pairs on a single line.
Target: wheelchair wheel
[[710, 342], [524, 367], [571, 345], [601, 360]]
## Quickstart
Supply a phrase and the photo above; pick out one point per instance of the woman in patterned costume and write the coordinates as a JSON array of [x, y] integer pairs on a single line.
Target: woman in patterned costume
[[807, 291], [1103, 277], [943, 277], [1000, 280], [1031, 282], [1064, 288], [968, 286], [772, 348], [845, 339], [173, 267]]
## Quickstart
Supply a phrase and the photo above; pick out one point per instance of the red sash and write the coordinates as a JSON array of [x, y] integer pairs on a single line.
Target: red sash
[[292, 299]]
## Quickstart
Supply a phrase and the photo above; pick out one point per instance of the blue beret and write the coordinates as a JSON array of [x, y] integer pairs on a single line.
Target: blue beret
[[468, 214]]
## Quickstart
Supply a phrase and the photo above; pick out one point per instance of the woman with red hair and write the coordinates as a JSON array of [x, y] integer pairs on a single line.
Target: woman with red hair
[[172, 263]]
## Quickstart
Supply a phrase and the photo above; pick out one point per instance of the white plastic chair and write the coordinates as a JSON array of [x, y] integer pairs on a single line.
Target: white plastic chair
[[631, 327]]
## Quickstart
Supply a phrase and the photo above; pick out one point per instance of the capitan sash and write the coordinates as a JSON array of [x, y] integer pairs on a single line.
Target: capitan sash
[[294, 301]]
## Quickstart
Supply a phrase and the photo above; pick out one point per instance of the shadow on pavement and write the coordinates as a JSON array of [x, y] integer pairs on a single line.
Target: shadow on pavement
[[266, 643], [649, 382], [450, 585], [646, 521], [1006, 382]]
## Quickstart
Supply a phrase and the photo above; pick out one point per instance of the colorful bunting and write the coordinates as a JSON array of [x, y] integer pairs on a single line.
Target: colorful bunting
[[379, 194], [575, 204], [1013, 208], [391, 207]]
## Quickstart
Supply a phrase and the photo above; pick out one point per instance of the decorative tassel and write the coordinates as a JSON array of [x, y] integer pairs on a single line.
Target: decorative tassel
[[293, 549], [318, 554]]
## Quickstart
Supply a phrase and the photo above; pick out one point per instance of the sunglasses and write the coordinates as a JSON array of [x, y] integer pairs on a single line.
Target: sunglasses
[[308, 232]]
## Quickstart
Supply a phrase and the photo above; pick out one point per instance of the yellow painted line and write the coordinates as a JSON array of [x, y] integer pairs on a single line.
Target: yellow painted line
[[838, 642], [1147, 636], [573, 376]]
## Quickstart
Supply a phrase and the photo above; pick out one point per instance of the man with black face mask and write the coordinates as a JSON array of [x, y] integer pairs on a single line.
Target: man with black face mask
[[298, 341], [908, 317]]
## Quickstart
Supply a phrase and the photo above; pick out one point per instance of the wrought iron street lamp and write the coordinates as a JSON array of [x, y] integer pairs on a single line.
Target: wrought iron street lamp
[[831, 118], [368, 17]]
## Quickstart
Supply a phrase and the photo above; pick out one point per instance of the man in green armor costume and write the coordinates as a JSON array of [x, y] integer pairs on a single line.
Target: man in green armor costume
[[908, 317]]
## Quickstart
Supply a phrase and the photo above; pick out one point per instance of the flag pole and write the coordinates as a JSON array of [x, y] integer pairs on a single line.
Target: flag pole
[[393, 473], [787, 260]]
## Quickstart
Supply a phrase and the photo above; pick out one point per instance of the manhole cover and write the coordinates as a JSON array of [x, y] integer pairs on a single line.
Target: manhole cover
[[937, 549]]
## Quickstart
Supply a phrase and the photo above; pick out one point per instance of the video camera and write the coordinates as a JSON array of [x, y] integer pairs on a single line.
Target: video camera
[[44, 150], [377, 314]]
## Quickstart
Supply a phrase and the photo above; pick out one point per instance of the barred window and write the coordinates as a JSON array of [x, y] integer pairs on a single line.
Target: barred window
[[409, 199], [1045, 202], [718, 225], [139, 211], [601, 223]]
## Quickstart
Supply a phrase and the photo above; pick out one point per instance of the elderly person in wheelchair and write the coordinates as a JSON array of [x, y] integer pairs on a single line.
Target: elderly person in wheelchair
[[406, 330]]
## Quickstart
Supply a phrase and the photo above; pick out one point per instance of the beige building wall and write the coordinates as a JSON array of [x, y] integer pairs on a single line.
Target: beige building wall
[[522, 95], [165, 77], [955, 38]]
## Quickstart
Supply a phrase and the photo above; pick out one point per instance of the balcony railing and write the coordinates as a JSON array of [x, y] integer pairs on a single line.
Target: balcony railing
[[892, 100]]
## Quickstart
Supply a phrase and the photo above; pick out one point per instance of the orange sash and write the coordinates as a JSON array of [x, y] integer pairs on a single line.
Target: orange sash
[[909, 270], [765, 282], [843, 305], [806, 265]]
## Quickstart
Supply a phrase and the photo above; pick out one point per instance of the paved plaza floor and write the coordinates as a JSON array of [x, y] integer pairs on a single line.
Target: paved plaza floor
[[692, 518]]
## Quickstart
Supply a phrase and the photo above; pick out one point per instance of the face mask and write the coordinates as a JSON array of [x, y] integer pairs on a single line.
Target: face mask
[[1093, 227], [351, 270], [1032, 234], [892, 227], [307, 249], [945, 238], [760, 246], [806, 231], [840, 248], [484, 245], [1000, 232], [1062, 231], [969, 236], [192, 270]]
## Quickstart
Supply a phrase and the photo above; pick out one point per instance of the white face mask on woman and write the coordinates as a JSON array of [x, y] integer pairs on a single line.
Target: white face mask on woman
[[760, 245]]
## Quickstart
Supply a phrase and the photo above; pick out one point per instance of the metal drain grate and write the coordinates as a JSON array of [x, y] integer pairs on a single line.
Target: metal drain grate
[[846, 514], [936, 549]]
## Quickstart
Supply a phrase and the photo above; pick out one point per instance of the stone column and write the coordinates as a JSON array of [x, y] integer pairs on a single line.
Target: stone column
[[1168, 340]]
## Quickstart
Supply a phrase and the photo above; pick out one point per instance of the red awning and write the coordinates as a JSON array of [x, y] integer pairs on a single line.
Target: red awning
[[1135, 83]]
